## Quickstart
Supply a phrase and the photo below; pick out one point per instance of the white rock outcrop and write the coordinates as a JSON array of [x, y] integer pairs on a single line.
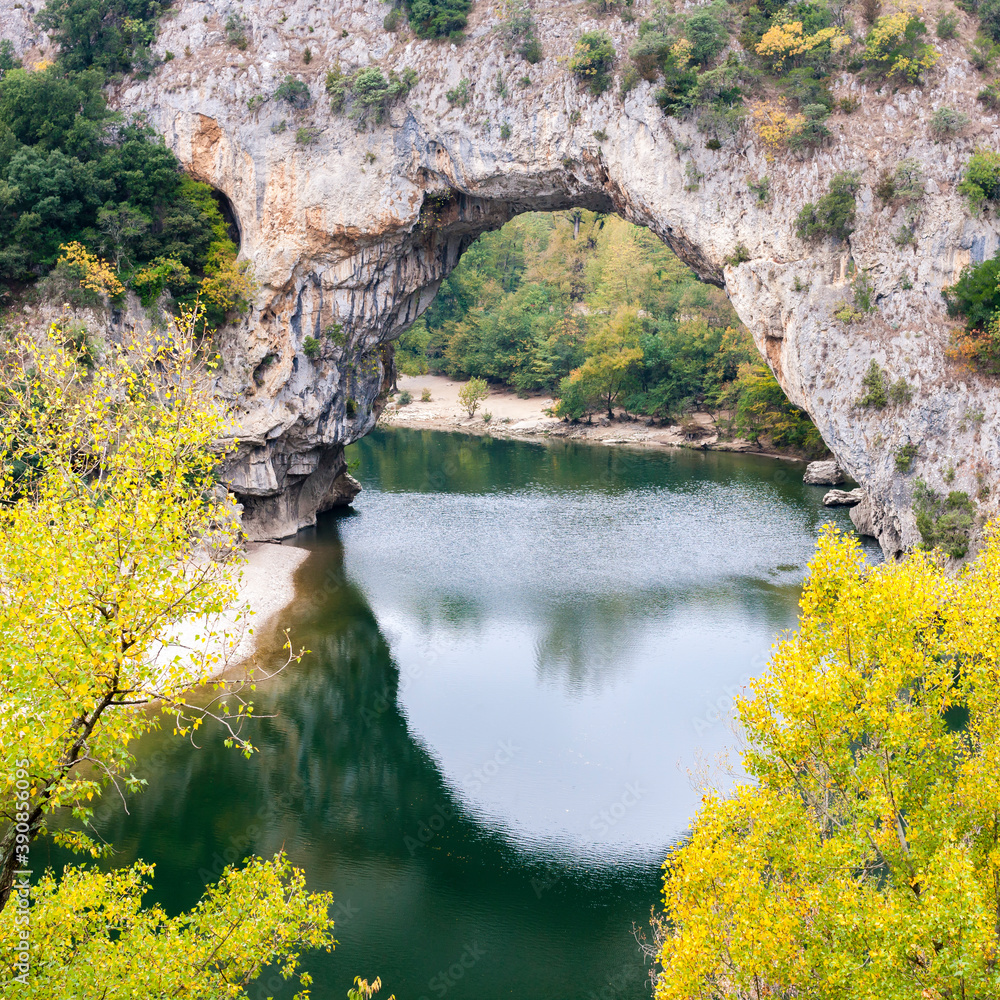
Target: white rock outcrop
[[823, 474], [844, 498], [351, 231]]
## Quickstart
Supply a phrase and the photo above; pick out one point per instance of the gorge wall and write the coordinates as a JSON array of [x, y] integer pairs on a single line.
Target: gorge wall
[[350, 232]]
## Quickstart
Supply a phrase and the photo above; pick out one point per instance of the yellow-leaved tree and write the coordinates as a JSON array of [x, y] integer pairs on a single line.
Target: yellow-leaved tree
[[613, 356], [108, 509], [862, 858]]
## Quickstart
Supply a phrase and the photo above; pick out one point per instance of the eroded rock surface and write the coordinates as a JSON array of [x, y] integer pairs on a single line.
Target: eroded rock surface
[[352, 231], [844, 498], [823, 474]]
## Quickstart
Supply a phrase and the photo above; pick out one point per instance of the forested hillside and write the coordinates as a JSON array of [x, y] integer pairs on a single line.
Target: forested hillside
[[91, 200], [602, 314]]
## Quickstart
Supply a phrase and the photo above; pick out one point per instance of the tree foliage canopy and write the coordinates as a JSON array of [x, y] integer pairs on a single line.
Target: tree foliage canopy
[[71, 171], [111, 35], [108, 508], [438, 18], [861, 858]]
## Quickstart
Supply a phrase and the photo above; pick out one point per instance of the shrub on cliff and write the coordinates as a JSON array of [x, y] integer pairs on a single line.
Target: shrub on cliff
[[292, 91], [947, 122], [983, 52], [704, 29], [518, 31], [368, 94], [943, 522], [903, 185], [592, 60], [787, 45], [859, 856], [833, 215], [678, 48], [876, 387], [989, 15], [981, 181], [237, 31], [990, 96], [947, 26], [438, 18], [895, 48], [976, 296], [373, 94], [679, 80]]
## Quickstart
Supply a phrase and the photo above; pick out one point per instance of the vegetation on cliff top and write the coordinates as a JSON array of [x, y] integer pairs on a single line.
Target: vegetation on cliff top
[[601, 313], [779, 72], [73, 172]]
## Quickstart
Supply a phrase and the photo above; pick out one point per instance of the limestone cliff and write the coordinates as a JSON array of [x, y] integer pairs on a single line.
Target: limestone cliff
[[351, 232]]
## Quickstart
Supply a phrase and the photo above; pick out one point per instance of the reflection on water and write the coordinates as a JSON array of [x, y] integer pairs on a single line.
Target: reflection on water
[[590, 607], [518, 655]]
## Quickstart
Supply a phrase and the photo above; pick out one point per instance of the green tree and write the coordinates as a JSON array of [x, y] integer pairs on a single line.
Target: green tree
[[113, 35], [976, 295], [576, 399], [981, 181], [624, 269], [520, 305], [120, 227], [472, 394], [438, 18], [613, 357], [833, 215], [593, 59], [70, 171], [762, 408]]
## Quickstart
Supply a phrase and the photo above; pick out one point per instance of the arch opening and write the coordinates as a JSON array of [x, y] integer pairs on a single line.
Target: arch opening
[[578, 305], [229, 215]]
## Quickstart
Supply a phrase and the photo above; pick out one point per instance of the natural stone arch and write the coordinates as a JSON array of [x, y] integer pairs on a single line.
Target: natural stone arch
[[358, 228], [284, 481]]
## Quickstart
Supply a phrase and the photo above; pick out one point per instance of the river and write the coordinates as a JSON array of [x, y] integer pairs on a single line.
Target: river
[[522, 669]]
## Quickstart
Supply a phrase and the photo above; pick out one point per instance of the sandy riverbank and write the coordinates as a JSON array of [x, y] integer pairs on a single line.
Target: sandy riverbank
[[527, 420], [266, 588]]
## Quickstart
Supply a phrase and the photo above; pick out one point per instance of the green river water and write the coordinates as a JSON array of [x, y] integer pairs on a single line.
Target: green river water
[[523, 664]]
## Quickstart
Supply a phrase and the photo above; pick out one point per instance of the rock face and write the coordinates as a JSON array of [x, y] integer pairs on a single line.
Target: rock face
[[823, 474], [351, 231], [844, 498]]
